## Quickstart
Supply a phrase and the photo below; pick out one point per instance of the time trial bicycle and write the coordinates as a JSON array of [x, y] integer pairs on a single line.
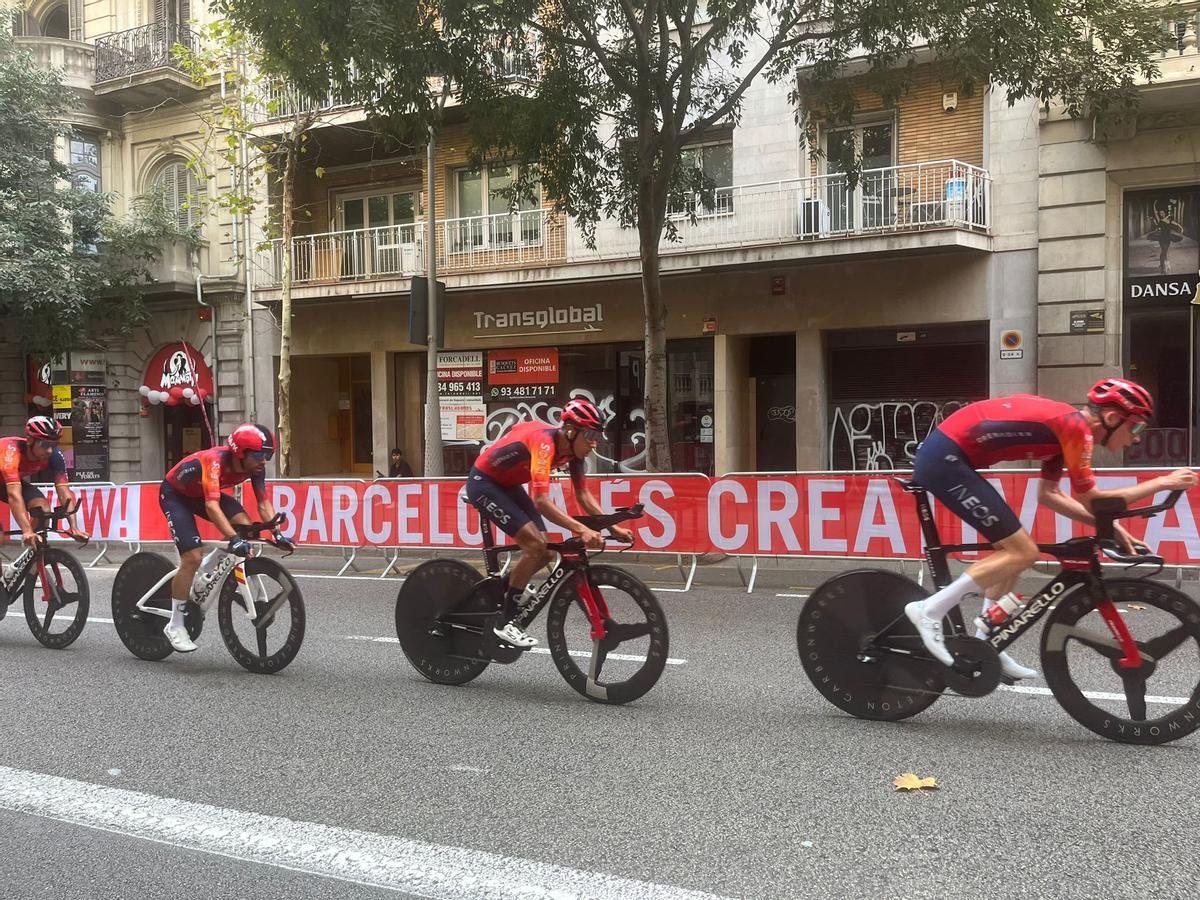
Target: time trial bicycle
[[864, 656], [51, 581], [445, 614], [260, 597]]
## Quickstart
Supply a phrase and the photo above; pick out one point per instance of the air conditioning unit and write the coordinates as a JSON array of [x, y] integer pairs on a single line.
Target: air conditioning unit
[[814, 219]]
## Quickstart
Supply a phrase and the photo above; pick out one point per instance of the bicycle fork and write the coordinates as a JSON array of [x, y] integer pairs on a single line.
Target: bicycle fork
[[1120, 631]]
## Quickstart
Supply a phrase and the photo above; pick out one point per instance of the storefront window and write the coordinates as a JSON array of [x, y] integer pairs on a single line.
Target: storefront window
[[612, 376], [1162, 253]]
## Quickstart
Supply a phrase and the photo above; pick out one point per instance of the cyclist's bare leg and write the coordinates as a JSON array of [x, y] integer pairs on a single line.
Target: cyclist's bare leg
[[997, 573], [189, 562], [534, 556]]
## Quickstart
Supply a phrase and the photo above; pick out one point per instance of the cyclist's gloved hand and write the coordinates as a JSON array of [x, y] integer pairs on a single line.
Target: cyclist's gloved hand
[[238, 546], [282, 541]]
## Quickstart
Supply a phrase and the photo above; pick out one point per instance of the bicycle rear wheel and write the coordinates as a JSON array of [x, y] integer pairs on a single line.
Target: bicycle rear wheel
[[141, 631], [635, 624], [443, 624], [1155, 703], [56, 607], [279, 609], [846, 661]]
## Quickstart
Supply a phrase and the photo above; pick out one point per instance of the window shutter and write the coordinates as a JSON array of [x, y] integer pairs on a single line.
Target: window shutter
[[18, 23], [162, 11], [75, 19], [185, 11]]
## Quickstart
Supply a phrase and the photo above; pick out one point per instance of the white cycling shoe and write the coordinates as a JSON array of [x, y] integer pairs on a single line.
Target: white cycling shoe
[[179, 638], [1014, 669], [930, 631], [515, 637]]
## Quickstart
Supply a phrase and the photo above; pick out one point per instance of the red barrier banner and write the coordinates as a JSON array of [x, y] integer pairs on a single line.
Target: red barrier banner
[[870, 515], [430, 513], [847, 515]]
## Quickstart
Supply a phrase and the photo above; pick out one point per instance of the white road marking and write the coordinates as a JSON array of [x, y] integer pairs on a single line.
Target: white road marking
[[89, 618], [797, 596], [376, 860], [671, 661], [1091, 695]]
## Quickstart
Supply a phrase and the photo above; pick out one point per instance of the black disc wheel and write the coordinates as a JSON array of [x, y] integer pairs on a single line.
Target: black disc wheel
[[1153, 703], [141, 629], [443, 623], [630, 658], [271, 640], [861, 652], [56, 599]]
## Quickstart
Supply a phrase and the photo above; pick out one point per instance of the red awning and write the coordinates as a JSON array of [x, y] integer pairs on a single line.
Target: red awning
[[177, 374]]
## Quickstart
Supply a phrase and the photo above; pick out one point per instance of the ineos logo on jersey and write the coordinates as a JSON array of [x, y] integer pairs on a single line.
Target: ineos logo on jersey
[[974, 507], [496, 512]]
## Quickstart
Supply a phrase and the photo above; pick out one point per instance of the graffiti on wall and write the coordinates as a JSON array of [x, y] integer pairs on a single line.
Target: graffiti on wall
[[882, 436], [501, 419]]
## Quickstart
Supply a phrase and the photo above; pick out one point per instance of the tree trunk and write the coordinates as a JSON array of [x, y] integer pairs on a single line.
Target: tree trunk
[[284, 408], [650, 226]]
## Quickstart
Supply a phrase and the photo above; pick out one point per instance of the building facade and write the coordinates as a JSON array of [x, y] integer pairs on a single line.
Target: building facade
[[152, 397], [812, 323]]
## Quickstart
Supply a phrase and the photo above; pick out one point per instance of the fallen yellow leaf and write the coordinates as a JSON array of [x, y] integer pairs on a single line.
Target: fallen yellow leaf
[[910, 782], [1136, 606]]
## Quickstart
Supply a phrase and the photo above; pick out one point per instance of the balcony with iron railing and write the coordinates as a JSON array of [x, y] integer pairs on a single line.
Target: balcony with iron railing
[[140, 65], [943, 196], [946, 194]]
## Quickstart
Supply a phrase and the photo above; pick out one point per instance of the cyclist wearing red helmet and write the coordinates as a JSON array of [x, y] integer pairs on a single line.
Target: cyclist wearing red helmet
[[193, 488], [526, 455], [1025, 427], [23, 457]]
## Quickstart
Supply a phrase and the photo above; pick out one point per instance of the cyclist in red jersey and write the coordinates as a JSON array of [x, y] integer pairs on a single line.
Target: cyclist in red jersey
[[526, 455], [1025, 427], [193, 488], [22, 457]]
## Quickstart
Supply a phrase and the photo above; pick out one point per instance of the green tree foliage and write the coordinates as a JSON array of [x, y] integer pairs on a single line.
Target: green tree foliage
[[70, 270], [624, 86]]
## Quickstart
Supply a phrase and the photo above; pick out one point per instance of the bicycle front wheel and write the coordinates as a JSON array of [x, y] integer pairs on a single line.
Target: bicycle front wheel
[[635, 624], [56, 603], [271, 640], [854, 642], [1157, 702]]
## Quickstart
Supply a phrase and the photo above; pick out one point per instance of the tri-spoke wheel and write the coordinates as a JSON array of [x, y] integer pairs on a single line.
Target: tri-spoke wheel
[[56, 599], [629, 660], [861, 652], [1155, 702], [271, 640]]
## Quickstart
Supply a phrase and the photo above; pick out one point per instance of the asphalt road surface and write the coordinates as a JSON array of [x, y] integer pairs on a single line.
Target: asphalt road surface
[[348, 775]]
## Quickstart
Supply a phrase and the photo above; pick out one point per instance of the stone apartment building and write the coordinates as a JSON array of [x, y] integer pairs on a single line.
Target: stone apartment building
[[812, 324]]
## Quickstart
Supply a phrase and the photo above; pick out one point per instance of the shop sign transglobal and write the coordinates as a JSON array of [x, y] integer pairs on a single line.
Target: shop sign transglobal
[[551, 320]]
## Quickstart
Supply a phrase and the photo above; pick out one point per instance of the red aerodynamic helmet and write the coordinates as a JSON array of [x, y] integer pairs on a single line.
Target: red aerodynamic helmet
[[1128, 396], [583, 413], [251, 438], [43, 428]]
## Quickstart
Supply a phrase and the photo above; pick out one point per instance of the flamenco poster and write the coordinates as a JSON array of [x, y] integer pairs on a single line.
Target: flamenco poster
[[1162, 245]]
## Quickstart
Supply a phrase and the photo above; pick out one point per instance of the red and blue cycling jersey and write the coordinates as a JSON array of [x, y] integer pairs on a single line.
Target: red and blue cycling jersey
[[17, 466], [526, 455], [202, 475], [1024, 426]]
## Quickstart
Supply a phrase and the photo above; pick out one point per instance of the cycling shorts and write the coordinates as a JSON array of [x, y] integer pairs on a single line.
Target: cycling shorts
[[942, 469], [28, 493], [181, 513], [510, 508]]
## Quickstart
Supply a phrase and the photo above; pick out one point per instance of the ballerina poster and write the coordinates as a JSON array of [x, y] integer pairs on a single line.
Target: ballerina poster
[[1162, 244]]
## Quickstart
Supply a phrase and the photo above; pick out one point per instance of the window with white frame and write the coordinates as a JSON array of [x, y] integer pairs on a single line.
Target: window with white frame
[[181, 192], [715, 160], [487, 215], [84, 161]]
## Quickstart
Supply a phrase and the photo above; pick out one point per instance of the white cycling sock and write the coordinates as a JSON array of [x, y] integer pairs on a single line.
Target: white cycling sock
[[949, 597], [177, 608]]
